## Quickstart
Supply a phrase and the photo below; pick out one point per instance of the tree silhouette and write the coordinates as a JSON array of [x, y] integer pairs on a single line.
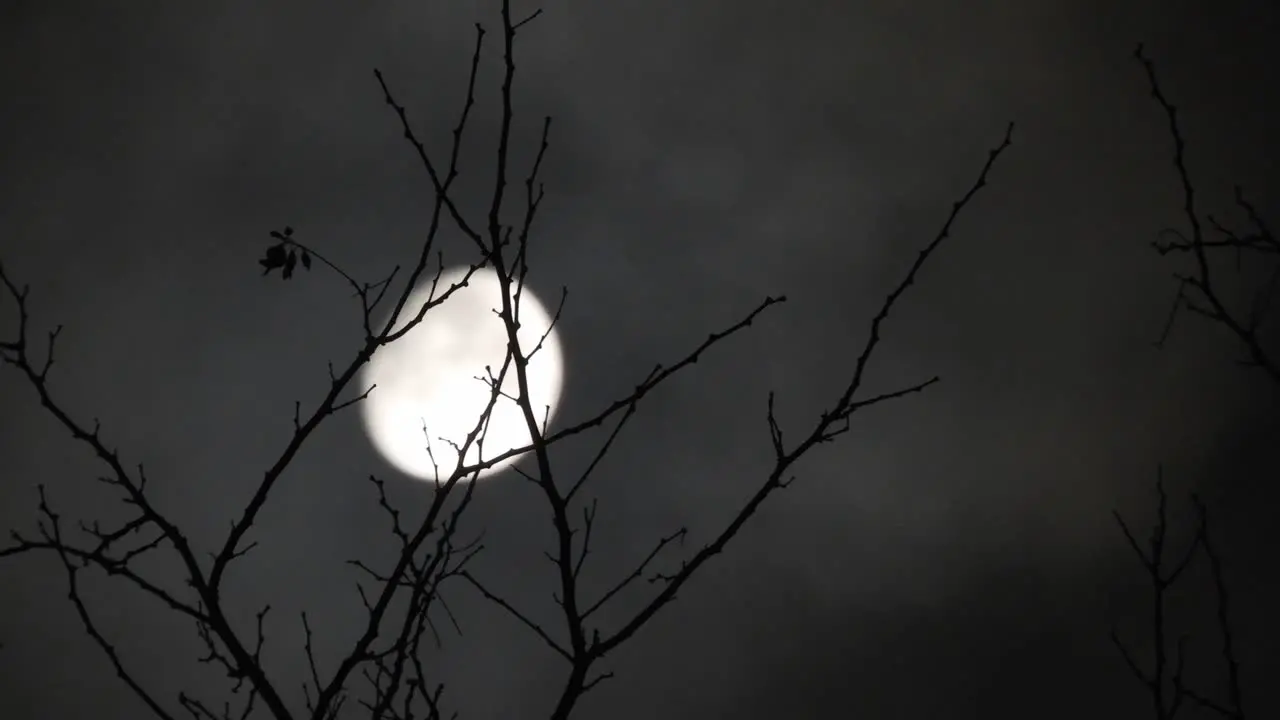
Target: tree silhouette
[[402, 601]]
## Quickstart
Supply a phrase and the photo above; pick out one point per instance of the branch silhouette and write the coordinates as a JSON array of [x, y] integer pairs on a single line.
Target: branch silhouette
[[1165, 680], [1199, 292], [404, 595]]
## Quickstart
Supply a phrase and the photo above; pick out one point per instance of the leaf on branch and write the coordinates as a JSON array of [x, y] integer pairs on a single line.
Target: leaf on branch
[[284, 255], [275, 257]]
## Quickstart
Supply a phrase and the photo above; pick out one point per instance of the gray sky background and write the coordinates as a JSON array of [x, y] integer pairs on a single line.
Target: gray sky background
[[953, 556]]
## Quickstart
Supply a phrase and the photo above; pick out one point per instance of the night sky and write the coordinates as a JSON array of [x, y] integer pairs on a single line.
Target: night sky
[[953, 556]]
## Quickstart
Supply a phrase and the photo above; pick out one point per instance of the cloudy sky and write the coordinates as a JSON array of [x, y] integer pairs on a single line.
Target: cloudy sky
[[954, 555]]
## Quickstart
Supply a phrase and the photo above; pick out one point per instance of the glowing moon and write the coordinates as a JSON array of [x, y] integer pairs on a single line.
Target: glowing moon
[[429, 377]]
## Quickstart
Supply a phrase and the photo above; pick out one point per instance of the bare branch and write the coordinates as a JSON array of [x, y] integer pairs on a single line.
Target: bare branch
[[400, 608], [820, 432], [638, 572], [16, 354], [54, 537], [537, 629], [1208, 301], [1229, 660]]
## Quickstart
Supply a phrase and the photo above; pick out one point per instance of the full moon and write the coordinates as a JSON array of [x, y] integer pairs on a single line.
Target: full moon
[[431, 383]]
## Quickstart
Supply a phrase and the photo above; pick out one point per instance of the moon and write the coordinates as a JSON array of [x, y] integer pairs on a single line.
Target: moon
[[432, 378]]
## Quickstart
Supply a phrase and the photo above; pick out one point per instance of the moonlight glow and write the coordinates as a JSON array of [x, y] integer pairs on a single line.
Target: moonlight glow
[[429, 377]]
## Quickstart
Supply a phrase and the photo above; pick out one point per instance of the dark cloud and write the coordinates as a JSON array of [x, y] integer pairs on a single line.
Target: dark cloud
[[953, 555]]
